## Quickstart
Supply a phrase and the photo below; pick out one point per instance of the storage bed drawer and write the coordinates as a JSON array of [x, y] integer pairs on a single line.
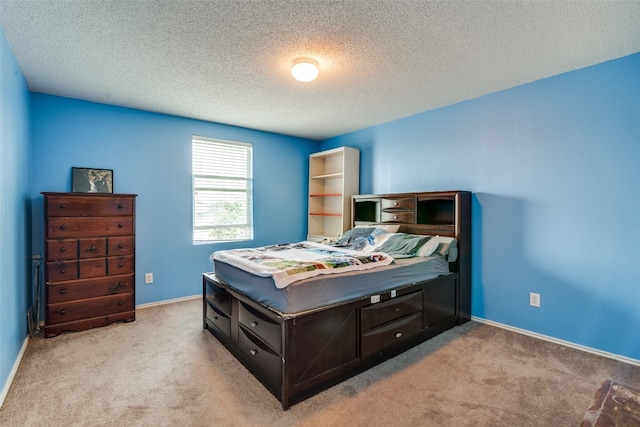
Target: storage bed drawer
[[378, 314], [390, 333], [270, 363], [261, 326], [219, 298], [219, 319]]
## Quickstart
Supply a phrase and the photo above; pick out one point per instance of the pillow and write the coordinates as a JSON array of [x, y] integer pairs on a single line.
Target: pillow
[[401, 245], [441, 245], [448, 247], [349, 237], [389, 228], [430, 247]]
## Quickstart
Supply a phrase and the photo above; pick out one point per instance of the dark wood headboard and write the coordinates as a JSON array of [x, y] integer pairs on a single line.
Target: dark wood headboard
[[444, 213]]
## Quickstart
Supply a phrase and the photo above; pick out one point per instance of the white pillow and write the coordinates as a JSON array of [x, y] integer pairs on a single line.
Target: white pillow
[[448, 247], [429, 247]]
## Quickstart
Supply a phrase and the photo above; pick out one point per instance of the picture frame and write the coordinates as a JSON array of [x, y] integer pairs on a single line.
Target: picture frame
[[91, 180]]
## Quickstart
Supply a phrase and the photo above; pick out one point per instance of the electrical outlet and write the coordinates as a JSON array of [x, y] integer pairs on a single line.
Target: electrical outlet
[[148, 278], [534, 299]]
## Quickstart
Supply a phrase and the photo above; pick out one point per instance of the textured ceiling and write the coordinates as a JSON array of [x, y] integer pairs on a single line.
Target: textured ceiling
[[228, 61]]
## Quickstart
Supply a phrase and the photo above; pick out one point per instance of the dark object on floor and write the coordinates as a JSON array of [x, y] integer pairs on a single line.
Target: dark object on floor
[[613, 405]]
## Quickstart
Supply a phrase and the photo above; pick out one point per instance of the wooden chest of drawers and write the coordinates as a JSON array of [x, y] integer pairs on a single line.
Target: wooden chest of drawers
[[89, 260]]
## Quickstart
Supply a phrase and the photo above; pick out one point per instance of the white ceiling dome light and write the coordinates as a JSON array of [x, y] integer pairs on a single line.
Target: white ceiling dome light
[[304, 69]]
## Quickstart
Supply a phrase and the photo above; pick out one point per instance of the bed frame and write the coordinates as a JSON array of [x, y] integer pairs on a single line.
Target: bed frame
[[298, 355]]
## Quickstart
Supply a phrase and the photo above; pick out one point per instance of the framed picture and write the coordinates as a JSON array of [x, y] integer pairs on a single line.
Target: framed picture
[[88, 180]]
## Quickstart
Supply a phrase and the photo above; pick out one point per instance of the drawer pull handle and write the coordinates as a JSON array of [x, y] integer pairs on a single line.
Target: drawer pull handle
[[63, 249], [63, 227], [63, 290], [397, 309], [253, 352], [398, 334], [63, 312], [254, 324]]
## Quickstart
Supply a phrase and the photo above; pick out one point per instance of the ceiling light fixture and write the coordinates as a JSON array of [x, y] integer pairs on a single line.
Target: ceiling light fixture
[[304, 69]]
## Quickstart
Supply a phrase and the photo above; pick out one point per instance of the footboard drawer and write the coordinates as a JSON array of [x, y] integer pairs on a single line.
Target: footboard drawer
[[269, 362], [390, 333]]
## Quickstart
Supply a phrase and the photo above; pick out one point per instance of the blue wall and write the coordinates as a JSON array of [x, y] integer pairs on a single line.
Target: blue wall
[[15, 211], [555, 168], [150, 155]]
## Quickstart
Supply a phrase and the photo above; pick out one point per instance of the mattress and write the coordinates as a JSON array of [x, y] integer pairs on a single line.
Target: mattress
[[327, 290]]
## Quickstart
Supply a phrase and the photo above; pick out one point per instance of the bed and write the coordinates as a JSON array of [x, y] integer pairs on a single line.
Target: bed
[[302, 337]]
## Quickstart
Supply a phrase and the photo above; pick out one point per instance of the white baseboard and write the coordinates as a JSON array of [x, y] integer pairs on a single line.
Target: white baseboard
[[169, 301], [14, 370], [559, 341]]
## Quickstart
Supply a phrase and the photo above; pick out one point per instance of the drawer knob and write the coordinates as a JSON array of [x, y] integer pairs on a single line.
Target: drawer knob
[[62, 270], [215, 317], [395, 217], [398, 334], [120, 246], [120, 302], [253, 352], [121, 284], [92, 248], [63, 227], [254, 324], [395, 203], [397, 309], [120, 264], [63, 290], [120, 225], [63, 249], [63, 311], [120, 206], [62, 206]]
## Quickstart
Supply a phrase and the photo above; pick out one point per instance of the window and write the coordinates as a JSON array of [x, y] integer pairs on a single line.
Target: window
[[222, 195]]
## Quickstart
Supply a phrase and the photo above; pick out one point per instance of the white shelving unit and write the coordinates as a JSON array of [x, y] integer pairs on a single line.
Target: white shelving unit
[[334, 177]]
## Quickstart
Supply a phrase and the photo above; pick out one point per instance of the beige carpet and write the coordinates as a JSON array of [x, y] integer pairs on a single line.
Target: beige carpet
[[165, 370]]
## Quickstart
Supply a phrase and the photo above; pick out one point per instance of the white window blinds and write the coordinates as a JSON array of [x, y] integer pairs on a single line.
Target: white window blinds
[[222, 190]]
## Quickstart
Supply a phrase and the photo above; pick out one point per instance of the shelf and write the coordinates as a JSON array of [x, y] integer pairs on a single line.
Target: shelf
[[328, 176], [333, 180]]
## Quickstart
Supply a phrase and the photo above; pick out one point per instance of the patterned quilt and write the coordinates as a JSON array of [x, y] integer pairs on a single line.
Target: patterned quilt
[[288, 263]]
